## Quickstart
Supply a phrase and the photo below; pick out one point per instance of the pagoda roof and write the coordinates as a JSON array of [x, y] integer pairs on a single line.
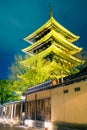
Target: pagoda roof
[[58, 38], [51, 24], [60, 54]]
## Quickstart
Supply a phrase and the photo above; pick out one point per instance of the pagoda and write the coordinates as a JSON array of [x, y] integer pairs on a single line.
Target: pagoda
[[54, 42]]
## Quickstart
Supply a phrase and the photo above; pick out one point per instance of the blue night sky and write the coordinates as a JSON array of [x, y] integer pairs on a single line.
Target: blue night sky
[[19, 18]]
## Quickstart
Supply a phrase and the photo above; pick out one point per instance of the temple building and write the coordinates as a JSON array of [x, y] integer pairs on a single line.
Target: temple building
[[53, 42], [62, 104]]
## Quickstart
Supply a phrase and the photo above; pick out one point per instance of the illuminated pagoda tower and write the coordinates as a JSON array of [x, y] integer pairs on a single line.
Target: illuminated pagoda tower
[[54, 42]]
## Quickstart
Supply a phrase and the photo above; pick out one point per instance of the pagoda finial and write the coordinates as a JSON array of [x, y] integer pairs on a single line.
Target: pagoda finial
[[50, 11]]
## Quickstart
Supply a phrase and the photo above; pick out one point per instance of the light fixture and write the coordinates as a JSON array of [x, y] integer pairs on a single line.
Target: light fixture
[[28, 123]]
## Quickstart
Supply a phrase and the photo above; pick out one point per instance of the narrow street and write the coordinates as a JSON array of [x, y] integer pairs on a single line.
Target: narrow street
[[7, 127]]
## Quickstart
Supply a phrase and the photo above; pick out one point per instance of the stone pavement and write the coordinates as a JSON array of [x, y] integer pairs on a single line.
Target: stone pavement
[[9, 127]]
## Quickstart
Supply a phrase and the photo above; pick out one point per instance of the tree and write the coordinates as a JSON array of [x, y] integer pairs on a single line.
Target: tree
[[16, 68], [35, 74], [24, 77], [6, 91]]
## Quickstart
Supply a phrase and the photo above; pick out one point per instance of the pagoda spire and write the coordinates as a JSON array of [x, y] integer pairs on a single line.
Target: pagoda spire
[[50, 11]]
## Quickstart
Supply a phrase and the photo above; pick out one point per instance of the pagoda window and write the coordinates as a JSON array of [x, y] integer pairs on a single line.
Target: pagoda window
[[50, 56], [41, 47], [40, 35]]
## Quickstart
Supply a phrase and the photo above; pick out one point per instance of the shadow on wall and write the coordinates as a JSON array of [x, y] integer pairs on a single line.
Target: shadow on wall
[[69, 126]]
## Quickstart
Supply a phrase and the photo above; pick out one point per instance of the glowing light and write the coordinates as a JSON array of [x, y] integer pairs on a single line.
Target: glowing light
[[11, 121], [48, 126], [28, 123], [4, 120]]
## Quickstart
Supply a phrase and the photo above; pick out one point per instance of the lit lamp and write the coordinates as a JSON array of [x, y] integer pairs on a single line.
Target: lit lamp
[[46, 125], [11, 121], [28, 123], [4, 120]]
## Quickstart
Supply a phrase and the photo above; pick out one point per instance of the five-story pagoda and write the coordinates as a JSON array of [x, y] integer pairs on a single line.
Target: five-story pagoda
[[54, 43]]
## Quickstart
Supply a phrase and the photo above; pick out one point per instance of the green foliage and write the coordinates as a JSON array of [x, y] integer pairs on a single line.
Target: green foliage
[[6, 91], [16, 68], [37, 72]]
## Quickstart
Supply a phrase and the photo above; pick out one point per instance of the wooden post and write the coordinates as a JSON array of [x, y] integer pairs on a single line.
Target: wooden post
[[61, 73], [35, 106]]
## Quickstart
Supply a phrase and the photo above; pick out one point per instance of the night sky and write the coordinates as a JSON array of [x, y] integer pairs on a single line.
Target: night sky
[[19, 18]]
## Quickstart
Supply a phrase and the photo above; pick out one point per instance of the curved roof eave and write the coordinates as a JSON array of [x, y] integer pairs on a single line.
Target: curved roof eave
[[62, 40], [73, 36], [57, 51], [37, 31], [47, 24]]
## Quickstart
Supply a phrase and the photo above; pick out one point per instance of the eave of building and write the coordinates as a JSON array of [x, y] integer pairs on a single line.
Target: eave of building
[[59, 67], [59, 39], [28, 53], [64, 31], [61, 54], [59, 28], [38, 31], [39, 87], [65, 43], [31, 52], [77, 78], [70, 52]]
